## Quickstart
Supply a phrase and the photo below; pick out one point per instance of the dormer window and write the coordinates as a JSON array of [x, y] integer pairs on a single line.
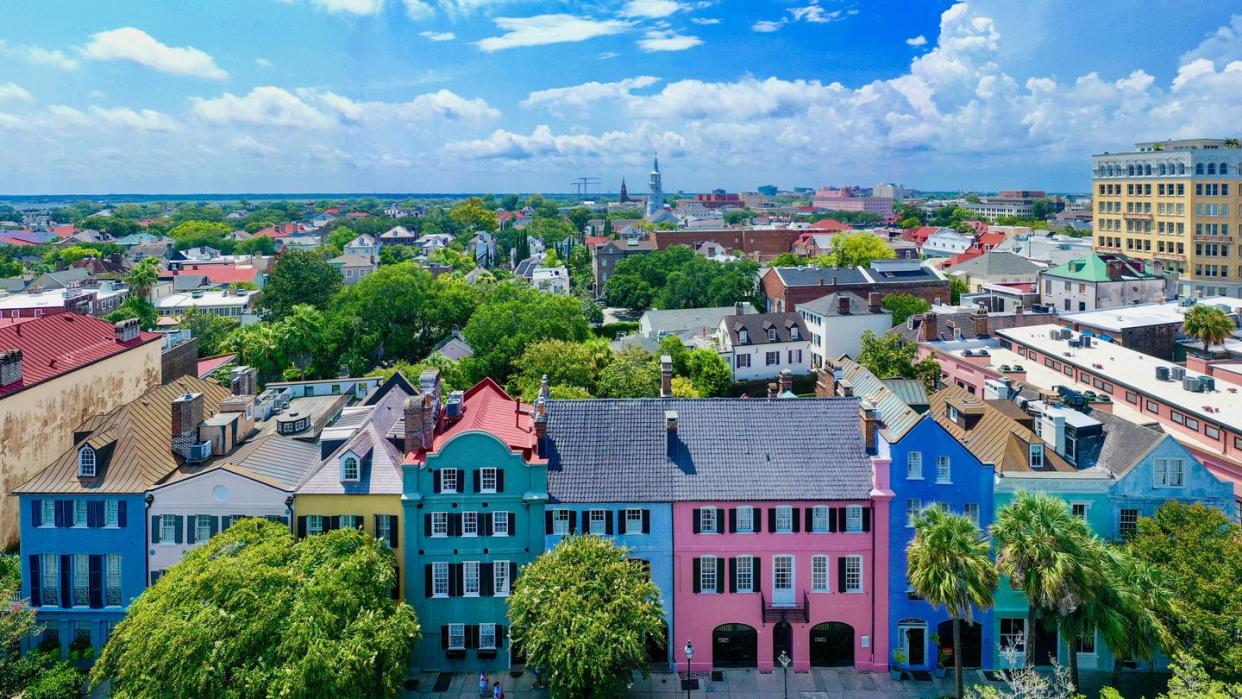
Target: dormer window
[[86, 462], [1037, 455], [793, 333], [743, 336], [351, 470], [771, 334]]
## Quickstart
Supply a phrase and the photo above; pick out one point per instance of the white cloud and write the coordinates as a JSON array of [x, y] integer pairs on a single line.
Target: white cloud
[[765, 26], [418, 10], [607, 55], [322, 110], [1221, 46], [667, 41], [264, 106], [812, 13], [139, 120], [50, 57], [542, 143], [136, 46], [252, 146], [548, 29], [352, 7], [8, 121], [12, 92], [919, 40], [1192, 70], [586, 94], [653, 9], [705, 20], [438, 36], [449, 106], [262, 62]]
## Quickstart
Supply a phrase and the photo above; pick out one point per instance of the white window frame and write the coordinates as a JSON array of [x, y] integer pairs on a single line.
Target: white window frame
[[86, 462], [913, 507], [79, 514], [944, 469], [487, 636], [707, 570], [202, 528], [81, 580], [1015, 640], [500, 578], [1169, 473], [914, 466], [470, 579], [708, 516], [351, 463], [440, 574], [854, 562], [500, 524], [820, 514], [383, 528], [168, 529], [853, 518], [470, 524], [112, 514], [456, 636], [1086, 508], [1079, 639], [784, 519], [484, 473], [597, 517], [49, 564], [1035, 453], [745, 519], [112, 580], [633, 521], [560, 522], [745, 567], [48, 515], [439, 525], [820, 579], [972, 512], [445, 474]]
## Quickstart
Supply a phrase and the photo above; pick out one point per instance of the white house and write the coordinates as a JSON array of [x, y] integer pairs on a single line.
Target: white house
[[365, 245], [761, 345], [554, 279], [837, 321], [947, 242]]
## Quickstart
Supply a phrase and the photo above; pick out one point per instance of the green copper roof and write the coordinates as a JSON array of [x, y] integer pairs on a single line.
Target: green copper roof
[[1091, 268]]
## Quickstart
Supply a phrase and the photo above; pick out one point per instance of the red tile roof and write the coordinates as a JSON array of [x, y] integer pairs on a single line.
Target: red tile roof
[[990, 240], [593, 240], [357, 214], [65, 231], [487, 408], [55, 345], [219, 274], [14, 240], [830, 224], [919, 235]]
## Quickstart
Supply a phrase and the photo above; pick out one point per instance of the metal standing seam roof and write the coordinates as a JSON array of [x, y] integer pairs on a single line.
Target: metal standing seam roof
[[997, 262], [381, 460], [133, 444], [995, 438], [896, 416], [819, 276], [620, 450], [61, 343]]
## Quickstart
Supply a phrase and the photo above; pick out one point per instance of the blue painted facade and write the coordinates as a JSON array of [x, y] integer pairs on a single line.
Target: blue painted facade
[[83, 548], [651, 542], [912, 622], [1140, 489]]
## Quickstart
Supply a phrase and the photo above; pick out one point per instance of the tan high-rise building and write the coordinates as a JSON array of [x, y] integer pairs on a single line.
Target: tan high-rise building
[[1177, 203]]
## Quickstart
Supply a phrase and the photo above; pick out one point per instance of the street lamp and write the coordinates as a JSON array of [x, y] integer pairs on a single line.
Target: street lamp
[[689, 651], [784, 660]]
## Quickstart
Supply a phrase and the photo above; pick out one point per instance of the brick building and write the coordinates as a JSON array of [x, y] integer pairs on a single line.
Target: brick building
[[767, 243], [786, 287]]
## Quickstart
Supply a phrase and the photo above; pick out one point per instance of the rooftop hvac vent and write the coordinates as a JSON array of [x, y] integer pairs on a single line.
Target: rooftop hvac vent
[[1177, 373], [1208, 383], [1162, 373], [1191, 383], [199, 452]]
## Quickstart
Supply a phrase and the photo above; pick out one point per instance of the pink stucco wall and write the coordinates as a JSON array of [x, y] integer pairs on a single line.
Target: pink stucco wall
[[696, 615]]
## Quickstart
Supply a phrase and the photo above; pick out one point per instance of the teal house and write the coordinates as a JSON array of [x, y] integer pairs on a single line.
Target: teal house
[[474, 490]]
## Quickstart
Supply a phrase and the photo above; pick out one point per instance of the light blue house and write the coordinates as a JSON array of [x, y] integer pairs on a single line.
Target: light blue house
[[928, 465]]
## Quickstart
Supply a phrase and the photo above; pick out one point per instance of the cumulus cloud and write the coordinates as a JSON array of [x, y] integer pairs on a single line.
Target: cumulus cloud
[[418, 9], [705, 20], [136, 46], [665, 40], [321, 110], [12, 92], [587, 94], [548, 29], [135, 120], [765, 26], [50, 57], [252, 146], [352, 7], [1223, 45], [438, 36], [651, 8], [263, 106], [812, 13], [919, 40], [545, 144], [262, 62]]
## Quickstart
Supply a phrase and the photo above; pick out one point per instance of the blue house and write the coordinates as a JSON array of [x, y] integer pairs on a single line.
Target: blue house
[[83, 518], [928, 465]]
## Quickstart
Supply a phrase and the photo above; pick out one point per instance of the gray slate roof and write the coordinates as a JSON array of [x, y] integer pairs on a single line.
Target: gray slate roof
[[811, 276], [758, 324], [381, 460], [618, 450], [693, 319], [1125, 443], [997, 263], [829, 306]]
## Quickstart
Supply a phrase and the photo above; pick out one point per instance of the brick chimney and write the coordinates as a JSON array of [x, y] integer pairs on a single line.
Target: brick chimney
[[826, 384], [737, 308], [10, 366], [873, 302], [843, 304], [412, 413], [772, 389], [1115, 269], [187, 415], [979, 322], [244, 381], [666, 376], [929, 330], [126, 330], [786, 382], [870, 423]]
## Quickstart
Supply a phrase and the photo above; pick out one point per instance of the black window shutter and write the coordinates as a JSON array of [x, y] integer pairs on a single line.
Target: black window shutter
[[841, 519], [732, 573], [720, 574], [472, 636], [427, 525], [771, 519], [393, 521], [832, 519], [512, 523], [121, 507], [36, 513], [698, 563], [795, 520], [214, 524], [646, 521], [547, 521], [500, 480], [476, 475], [485, 523], [94, 514], [435, 481], [66, 584], [302, 527], [95, 568], [36, 581], [376, 523], [500, 636], [513, 572], [60, 513], [486, 581], [334, 523], [841, 574], [695, 525], [178, 527], [456, 519], [444, 636], [452, 579], [457, 578], [732, 520], [756, 519], [155, 529], [810, 519], [866, 516], [226, 521], [607, 521], [756, 577], [573, 521], [192, 529], [427, 584]]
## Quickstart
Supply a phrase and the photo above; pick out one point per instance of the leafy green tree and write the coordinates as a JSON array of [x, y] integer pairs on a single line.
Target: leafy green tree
[[903, 306], [454, 376], [1207, 324], [564, 363], [630, 292], [684, 388], [135, 307], [387, 316], [199, 229], [586, 594], [393, 254], [957, 287], [679, 278], [211, 330], [633, 373], [258, 245], [950, 566], [1049, 555], [514, 317], [471, 215], [1197, 552], [340, 236], [459, 261], [143, 277], [299, 276], [258, 345], [509, 202], [733, 218], [889, 356], [1043, 208], [37, 673], [10, 268], [788, 259], [580, 216], [1190, 681], [709, 372], [672, 347], [551, 230], [301, 334], [254, 613], [858, 250]]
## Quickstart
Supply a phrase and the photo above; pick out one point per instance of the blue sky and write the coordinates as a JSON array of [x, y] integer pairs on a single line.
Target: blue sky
[[505, 95]]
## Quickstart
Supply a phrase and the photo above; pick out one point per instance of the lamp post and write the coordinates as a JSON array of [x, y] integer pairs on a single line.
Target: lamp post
[[784, 660], [689, 651]]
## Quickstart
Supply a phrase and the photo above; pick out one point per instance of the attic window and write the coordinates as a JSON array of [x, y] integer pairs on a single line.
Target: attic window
[[743, 336], [771, 334], [86, 462], [349, 468], [793, 333], [1037, 455]]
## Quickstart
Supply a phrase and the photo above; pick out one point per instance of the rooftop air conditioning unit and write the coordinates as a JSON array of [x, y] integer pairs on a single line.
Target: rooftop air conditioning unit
[[1191, 383], [1208, 383], [1177, 373], [199, 452], [1085, 341], [1162, 373]]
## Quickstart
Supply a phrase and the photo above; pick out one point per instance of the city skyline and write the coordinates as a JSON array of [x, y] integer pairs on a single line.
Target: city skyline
[[483, 95]]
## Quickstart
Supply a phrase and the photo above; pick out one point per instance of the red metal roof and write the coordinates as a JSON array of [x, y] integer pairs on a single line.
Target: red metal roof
[[219, 274], [593, 240], [487, 408], [830, 224], [61, 343], [65, 231], [210, 364]]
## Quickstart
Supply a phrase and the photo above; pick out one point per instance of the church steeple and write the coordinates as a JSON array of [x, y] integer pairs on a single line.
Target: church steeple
[[655, 201], [625, 195]]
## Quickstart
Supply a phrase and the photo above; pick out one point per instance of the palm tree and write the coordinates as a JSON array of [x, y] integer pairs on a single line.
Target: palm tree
[[1207, 323], [1145, 601], [301, 333], [143, 276], [1103, 609], [950, 566], [1045, 551]]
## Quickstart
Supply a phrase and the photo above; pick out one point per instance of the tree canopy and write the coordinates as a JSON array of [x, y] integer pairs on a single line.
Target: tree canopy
[[679, 278], [515, 316], [633, 373], [299, 276], [889, 356], [858, 250], [254, 613], [903, 306]]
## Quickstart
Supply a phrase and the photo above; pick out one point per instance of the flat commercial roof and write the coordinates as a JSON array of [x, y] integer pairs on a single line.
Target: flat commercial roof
[[1146, 314]]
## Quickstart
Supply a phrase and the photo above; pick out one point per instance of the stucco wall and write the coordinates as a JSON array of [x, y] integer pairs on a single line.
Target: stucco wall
[[37, 424]]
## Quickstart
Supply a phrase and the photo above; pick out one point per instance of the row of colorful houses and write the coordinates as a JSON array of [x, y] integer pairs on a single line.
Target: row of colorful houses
[[769, 526]]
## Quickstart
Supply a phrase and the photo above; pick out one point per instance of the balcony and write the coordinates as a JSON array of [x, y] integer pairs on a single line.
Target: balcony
[[1137, 215], [794, 614]]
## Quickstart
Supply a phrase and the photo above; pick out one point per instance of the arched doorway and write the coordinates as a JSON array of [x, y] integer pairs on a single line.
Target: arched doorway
[[657, 647], [832, 644], [782, 640], [972, 642], [735, 645]]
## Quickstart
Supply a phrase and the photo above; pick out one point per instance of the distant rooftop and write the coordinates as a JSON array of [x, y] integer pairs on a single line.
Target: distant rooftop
[[1143, 315]]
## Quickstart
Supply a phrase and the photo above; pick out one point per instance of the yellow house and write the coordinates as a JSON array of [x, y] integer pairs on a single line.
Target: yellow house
[[358, 481], [56, 372]]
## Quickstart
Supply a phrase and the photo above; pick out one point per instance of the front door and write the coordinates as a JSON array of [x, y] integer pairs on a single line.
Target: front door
[[783, 581], [913, 641], [1045, 643], [782, 641]]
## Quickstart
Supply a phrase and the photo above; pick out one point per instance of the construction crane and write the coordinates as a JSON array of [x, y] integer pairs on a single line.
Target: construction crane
[[582, 185]]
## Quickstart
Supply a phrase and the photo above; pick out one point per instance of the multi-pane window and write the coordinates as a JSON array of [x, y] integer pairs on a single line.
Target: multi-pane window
[[487, 636], [456, 636], [853, 574], [853, 518], [745, 574], [500, 524], [1128, 523], [439, 579], [51, 579], [1085, 643], [470, 524], [86, 462], [943, 474], [111, 513], [314, 524], [743, 361], [707, 574], [633, 521], [1079, 510], [971, 510], [598, 523], [819, 574], [914, 465], [439, 524], [168, 529], [746, 519], [819, 518], [560, 522], [913, 507], [81, 580], [470, 578], [1037, 455], [48, 517], [1013, 634], [112, 580], [383, 527], [500, 578], [487, 479], [707, 520], [79, 513], [1170, 473], [448, 480], [770, 358], [784, 518], [350, 470]]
